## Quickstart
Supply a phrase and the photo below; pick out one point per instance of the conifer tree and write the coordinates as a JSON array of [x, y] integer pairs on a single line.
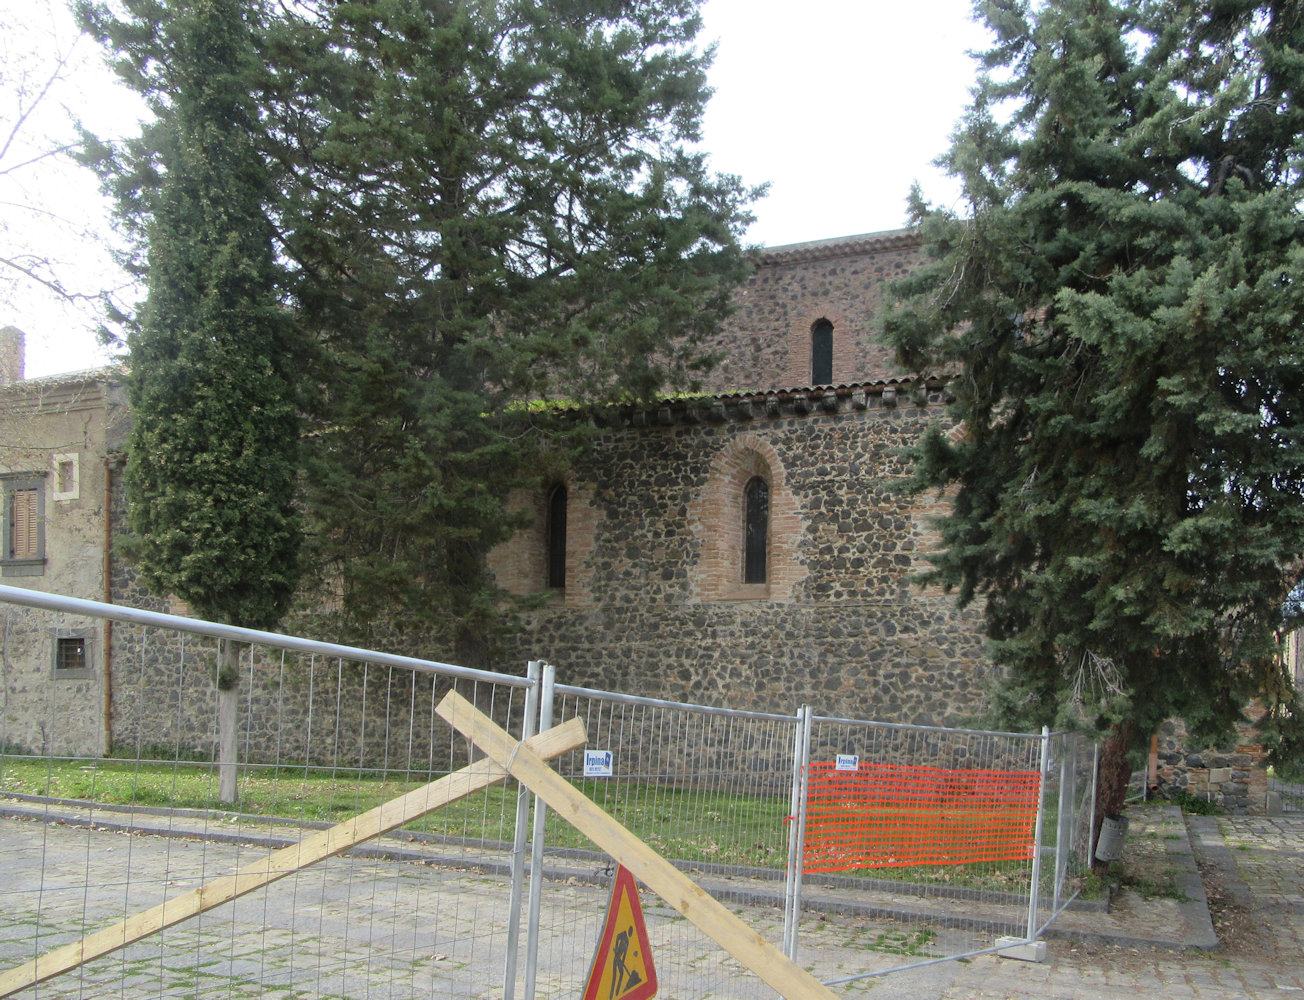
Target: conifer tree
[[1122, 312], [475, 206], [485, 203], [212, 465]]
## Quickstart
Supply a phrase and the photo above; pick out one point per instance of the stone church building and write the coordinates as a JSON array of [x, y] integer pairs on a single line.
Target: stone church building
[[748, 547], [751, 547]]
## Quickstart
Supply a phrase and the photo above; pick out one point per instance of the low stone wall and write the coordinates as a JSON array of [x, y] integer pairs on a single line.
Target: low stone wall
[[294, 709], [1233, 778]]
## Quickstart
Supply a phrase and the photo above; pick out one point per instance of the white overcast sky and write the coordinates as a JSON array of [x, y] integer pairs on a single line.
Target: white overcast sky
[[839, 105]]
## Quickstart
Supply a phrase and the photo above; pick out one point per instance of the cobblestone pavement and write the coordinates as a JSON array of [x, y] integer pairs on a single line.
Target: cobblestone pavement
[[1256, 893], [357, 927]]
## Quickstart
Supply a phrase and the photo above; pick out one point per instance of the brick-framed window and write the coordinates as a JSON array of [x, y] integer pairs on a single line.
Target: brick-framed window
[[22, 535], [749, 526]]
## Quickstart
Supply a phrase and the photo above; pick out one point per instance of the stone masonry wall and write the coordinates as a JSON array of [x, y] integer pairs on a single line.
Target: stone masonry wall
[[840, 625], [1233, 777]]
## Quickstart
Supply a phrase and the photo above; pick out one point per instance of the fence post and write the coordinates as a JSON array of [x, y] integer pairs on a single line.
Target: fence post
[[518, 841], [1037, 837], [1068, 751], [796, 832], [547, 682], [1095, 780]]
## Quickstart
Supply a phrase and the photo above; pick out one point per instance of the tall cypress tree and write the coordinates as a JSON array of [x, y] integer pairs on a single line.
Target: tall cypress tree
[[212, 466], [1122, 310]]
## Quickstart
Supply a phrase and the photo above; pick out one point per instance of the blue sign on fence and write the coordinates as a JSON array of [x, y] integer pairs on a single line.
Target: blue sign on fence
[[597, 763]]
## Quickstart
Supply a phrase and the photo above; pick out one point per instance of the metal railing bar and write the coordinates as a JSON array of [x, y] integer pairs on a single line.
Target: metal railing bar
[[137, 616], [635, 699], [865, 724]]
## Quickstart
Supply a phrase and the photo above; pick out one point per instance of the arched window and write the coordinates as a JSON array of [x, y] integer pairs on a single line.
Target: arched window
[[756, 529], [556, 532], [821, 353]]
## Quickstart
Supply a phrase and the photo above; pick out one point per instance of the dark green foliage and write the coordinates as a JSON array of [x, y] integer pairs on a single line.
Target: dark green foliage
[[1123, 314], [485, 203], [213, 455], [1192, 805], [475, 204]]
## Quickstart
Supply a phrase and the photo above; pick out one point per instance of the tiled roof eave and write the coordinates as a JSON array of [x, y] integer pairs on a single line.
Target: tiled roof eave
[[843, 246], [747, 406]]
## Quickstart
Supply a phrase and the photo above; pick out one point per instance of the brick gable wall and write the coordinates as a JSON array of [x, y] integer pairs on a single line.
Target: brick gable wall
[[765, 344]]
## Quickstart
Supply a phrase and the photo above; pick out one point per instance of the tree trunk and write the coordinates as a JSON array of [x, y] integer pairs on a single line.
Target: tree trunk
[[228, 701], [1112, 776]]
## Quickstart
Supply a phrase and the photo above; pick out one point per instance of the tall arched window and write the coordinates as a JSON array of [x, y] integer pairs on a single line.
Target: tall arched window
[[821, 353], [556, 531], [756, 529]]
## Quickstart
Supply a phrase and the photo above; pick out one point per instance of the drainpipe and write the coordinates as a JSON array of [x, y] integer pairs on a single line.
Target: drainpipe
[[107, 742]]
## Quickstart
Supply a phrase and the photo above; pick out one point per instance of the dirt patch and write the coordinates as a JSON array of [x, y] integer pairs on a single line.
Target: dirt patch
[[1240, 933], [1147, 867]]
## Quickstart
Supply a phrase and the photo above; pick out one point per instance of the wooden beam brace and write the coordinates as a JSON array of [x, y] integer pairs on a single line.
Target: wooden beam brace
[[790, 980], [288, 860]]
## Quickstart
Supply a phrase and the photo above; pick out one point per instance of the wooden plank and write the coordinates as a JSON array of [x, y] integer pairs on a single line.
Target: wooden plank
[[771, 965], [328, 843]]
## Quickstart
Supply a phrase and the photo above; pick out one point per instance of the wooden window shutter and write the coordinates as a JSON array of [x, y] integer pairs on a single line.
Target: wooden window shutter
[[23, 538]]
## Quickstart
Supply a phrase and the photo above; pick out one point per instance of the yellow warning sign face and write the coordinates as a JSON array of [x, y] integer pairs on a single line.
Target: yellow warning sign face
[[622, 967]]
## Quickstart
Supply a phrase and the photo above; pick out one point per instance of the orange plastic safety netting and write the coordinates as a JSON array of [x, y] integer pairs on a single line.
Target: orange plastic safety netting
[[888, 815]]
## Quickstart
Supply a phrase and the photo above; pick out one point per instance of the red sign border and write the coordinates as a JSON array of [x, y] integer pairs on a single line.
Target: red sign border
[[623, 884]]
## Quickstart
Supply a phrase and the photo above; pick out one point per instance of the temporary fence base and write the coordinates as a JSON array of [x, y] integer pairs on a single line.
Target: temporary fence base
[[1024, 951]]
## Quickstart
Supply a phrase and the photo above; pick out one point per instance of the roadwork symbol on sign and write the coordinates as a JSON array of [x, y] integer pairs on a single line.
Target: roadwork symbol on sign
[[622, 967]]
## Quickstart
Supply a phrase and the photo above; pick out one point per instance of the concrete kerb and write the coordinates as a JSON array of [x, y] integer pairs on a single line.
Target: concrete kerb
[[1195, 905], [1209, 846], [1156, 926], [1180, 924]]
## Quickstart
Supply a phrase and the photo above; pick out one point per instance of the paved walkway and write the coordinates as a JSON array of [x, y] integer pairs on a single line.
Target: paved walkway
[[365, 927]]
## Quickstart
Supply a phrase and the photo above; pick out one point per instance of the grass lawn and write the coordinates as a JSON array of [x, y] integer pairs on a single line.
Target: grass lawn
[[686, 824], [693, 825]]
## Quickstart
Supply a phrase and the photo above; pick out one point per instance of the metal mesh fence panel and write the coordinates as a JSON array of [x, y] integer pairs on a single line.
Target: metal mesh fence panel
[[928, 835], [707, 788], [1067, 799], [862, 847], [1285, 793], [93, 840]]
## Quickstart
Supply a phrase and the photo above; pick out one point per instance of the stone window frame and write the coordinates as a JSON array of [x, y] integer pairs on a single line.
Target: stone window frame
[[12, 484], [66, 487], [59, 641]]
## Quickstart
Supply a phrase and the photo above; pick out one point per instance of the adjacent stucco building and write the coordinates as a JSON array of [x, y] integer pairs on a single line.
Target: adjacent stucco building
[[57, 439]]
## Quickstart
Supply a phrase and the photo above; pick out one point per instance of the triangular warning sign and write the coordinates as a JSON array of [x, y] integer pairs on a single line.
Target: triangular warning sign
[[622, 966]]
